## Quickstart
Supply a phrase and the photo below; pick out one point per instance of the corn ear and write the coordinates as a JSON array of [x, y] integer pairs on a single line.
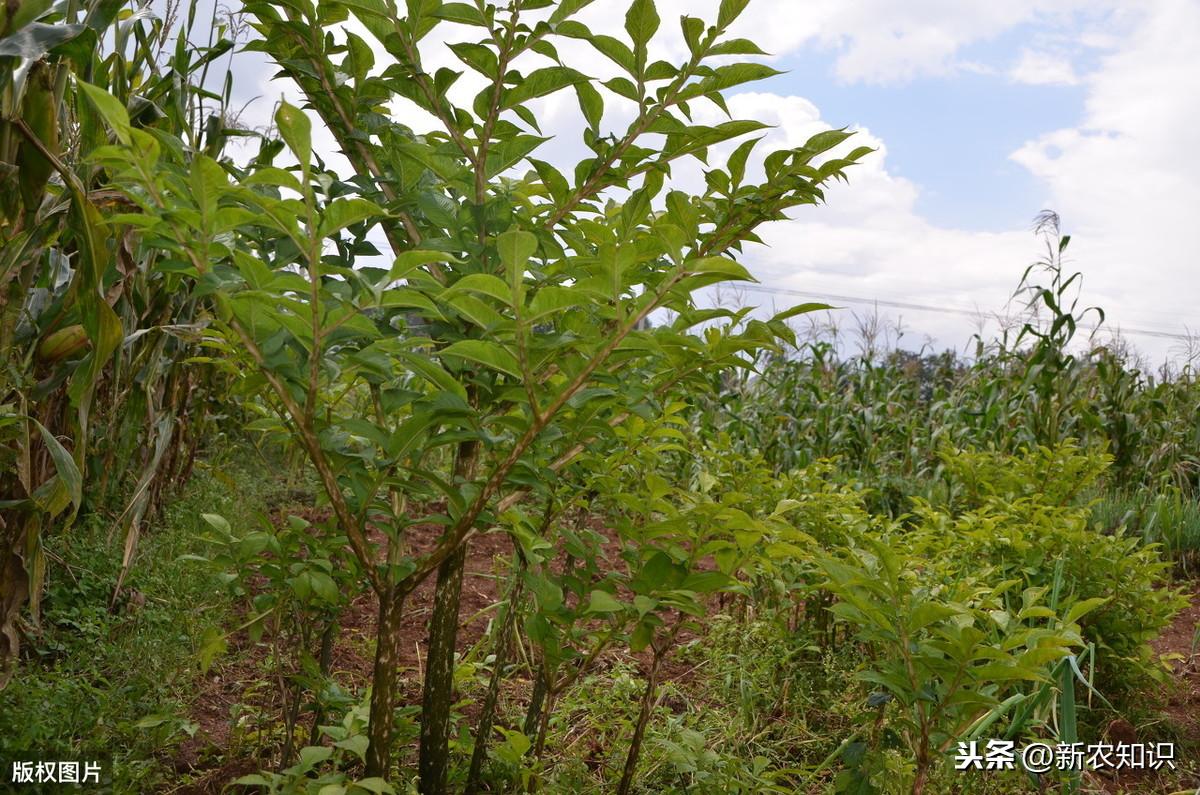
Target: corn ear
[[40, 113], [62, 344]]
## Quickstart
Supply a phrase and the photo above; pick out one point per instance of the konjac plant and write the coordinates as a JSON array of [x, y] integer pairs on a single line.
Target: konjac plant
[[508, 329]]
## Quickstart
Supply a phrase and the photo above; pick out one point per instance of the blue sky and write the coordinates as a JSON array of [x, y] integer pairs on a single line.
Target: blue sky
[[952, 135]]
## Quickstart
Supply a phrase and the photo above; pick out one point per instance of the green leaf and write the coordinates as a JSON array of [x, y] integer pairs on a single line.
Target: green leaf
[[693, 28], [409, 261], [64, 465], [217, 522], [479, 57], [641, 637], [553, 299], [296, 129], [603, 602], [616, 50], [641, 21], [567, 8], [324, 587], [310, 757], [590, 102], [212, 644], [253, 780], [799, 309], [722, 266], [730, 75], [705, 581], [736, 47], [432, 372], [824, 141], [489, 354], [481, 283], [375, 785], [341, 213], [36, 39], [478, 312], [109, 108], [1082, 608], [729, 11], [542, 82], [356, 745], [515, 248]]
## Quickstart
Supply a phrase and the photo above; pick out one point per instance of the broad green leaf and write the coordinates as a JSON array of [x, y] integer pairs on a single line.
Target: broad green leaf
[[374, 785], [542, 82], [212, 644], [35, 39], [296, 129], [409, 261], [1082, 608], [515, 247], [590, 102], [616, 51], [341, 213], [641, 21], [432, 372], [481, 283], [603, 602], [64, 465], [730, 10], [489, 354], [109, 108], [567, 8], [799, 309], [722, 266], [552, 299], [356, 744]]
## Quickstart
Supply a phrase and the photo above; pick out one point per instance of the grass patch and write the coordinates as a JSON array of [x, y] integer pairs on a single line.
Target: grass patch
[[1167, 517], [114, 686]]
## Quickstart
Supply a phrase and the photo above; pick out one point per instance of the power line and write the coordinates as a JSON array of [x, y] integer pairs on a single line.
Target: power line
[[945, 310]]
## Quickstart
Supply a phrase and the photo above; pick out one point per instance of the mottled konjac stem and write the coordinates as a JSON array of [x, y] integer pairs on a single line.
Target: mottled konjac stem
[[536, 699], [383, 688], [439, 675], [488, 714], [434, 756]]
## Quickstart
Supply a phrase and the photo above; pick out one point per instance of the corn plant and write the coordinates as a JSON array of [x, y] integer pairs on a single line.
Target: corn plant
[[95, 328]]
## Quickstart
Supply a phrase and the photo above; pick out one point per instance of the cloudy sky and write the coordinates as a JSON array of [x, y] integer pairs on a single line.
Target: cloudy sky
[[983, 113]]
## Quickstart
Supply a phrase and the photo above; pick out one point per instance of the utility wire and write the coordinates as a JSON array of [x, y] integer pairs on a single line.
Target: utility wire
[[945, 310]]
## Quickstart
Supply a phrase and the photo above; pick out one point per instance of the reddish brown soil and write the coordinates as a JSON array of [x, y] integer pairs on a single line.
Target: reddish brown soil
[[237, 677]]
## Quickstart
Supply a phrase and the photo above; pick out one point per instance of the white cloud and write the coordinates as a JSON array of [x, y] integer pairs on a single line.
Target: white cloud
[[869, 241], [1127, 178], [1043, 69], [878, 41]]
